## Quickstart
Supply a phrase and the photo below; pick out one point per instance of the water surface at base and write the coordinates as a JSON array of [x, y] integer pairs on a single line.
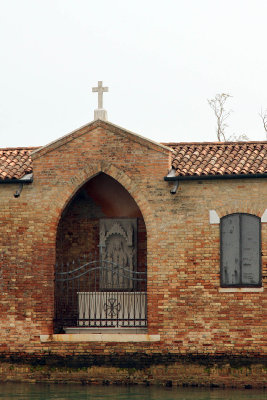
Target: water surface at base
[[75, 392]]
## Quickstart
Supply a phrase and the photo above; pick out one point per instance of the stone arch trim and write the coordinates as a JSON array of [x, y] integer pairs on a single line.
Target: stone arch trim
[[87, 173], [241, 207]]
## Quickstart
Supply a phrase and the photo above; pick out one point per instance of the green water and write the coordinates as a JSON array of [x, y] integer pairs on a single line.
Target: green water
[[66, 392]]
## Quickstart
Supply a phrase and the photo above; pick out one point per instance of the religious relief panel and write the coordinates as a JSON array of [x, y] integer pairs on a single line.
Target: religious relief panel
[[118, 253]]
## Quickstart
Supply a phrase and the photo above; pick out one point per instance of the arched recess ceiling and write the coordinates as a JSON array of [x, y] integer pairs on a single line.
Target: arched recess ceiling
[[100, 197], [113, 199]]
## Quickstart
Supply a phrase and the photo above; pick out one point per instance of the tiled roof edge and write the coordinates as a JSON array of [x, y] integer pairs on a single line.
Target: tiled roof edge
[[19, 148], [215, 176], [172, 144]]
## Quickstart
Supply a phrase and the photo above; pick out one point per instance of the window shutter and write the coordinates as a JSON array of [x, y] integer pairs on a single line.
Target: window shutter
[[230, 250], [250, 242]]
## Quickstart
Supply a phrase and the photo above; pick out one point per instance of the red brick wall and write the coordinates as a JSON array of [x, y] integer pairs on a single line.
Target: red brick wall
[[183, 251]]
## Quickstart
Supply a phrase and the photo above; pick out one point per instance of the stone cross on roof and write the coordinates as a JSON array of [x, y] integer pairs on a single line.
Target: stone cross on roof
[[100, 112]]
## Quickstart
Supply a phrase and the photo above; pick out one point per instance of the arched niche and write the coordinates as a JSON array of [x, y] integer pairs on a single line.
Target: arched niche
[[102, 237]]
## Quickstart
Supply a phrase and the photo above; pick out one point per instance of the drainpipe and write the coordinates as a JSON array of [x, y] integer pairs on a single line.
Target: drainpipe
[[172, 175], [28, 178]]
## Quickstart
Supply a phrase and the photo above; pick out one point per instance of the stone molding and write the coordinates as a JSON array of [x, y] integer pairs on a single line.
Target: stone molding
[[264, 216], [100, 337], [241, 290], [214, 217]]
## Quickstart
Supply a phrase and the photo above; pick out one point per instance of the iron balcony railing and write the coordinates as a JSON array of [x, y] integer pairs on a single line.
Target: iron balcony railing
[[99, 294]]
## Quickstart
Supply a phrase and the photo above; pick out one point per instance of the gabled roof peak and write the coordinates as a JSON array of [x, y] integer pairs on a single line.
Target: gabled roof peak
[[95, 124]]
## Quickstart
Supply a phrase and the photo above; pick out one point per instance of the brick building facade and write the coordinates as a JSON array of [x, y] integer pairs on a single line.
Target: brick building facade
[[195, 261]]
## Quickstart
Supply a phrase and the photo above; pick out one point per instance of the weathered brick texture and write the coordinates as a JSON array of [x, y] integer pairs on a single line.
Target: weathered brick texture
[[183, 250]]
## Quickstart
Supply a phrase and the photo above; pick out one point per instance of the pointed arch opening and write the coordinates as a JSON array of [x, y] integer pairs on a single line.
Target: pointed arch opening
[[101, 251]]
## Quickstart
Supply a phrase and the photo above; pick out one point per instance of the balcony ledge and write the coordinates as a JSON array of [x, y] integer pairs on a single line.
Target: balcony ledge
[[100, 337]]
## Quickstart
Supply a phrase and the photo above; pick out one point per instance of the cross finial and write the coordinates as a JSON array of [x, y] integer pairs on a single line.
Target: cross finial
[[100, 113]]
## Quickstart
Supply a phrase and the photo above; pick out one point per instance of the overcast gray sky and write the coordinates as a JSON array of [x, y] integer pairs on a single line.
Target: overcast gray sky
[[161, 60]]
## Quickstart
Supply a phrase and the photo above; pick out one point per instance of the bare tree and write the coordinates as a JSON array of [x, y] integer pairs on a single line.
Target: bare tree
[[263, 115], [218, 106]]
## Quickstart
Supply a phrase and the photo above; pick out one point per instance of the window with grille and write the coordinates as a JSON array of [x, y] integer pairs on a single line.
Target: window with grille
[[240, 250]]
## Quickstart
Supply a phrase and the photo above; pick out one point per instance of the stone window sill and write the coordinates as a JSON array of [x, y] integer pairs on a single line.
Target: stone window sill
[[241, 290], [100, 337]]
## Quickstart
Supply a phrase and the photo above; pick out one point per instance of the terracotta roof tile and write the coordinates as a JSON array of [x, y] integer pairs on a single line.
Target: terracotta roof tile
[[219, 158], [15, 162]]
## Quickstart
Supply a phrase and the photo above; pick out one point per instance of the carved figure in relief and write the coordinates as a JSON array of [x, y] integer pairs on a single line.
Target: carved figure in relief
[[117, 253], [117, 263]]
